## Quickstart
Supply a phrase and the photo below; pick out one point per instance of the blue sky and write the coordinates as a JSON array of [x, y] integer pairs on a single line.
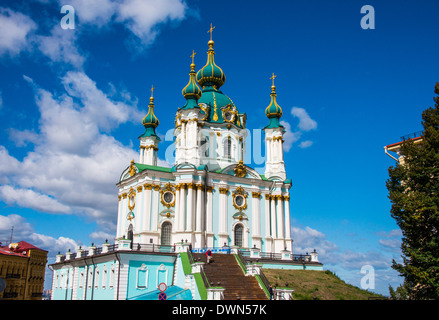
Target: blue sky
[[71, 104]]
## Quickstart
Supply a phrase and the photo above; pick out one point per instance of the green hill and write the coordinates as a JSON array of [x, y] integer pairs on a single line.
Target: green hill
[[320, 285]]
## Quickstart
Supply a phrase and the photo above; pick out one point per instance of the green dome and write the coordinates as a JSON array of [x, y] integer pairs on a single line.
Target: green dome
[[192, 90], [217, 104], [273, 111], [211, 74], [150, 121]]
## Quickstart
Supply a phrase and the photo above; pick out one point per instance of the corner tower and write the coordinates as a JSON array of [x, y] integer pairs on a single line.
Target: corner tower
[[274, 131], [149, 140]]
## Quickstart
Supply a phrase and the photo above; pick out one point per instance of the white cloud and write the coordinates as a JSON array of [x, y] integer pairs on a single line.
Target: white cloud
[[15, 29], [96, 12], [142, 16], [30, 199], [289, 136], [305, 124], [74, 164], [23, 231], [22, 138], [60, 46], [305, 121], [305, 144]]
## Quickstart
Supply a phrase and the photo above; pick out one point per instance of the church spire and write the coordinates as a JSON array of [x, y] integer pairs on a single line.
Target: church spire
[[273, 111], [150, 121], [211, 75], [191, 91]]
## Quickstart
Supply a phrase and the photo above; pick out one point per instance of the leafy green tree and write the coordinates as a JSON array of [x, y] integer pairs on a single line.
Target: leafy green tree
[[413, 187]]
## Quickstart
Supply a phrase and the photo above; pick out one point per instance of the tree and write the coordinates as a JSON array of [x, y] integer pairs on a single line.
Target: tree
[[413, 187]]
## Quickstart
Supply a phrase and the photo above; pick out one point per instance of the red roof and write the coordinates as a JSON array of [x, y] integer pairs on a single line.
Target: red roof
[[395, 144], [18, 249]]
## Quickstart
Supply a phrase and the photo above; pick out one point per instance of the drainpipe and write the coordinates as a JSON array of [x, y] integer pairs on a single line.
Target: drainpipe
[[118, 275], [86, 280], [386, 151], [93, 281]]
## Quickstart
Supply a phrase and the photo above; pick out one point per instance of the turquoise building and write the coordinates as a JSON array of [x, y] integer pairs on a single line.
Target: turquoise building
[[209, 199]]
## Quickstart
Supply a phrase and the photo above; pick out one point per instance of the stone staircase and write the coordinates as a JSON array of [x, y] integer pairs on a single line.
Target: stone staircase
[[225, 272]]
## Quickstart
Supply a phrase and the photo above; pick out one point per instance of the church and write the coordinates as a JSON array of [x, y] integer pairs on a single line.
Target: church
[[208, 199]]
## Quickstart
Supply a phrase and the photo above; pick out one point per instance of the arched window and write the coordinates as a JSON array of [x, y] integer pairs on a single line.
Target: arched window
[[130, 234], [204, 146], [239, 232], [166, 234], [227, 147]]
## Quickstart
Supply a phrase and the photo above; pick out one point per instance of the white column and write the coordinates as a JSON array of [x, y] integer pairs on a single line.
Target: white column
[[280, 217], [182, 206], [190, 207], [209, 212], [141, 154], [267, 215], [268, 149], [177, 208], [155, 209], [273, 216], [255, 206], [146, 208], [199, 211], [287, 218]]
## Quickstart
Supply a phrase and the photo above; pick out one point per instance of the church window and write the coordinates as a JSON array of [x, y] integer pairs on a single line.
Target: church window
[[142, 277], [111, 276], [96, 280], [228, 148], [204, 146], [168, 197], [166, 234], [104, 277], [238, 235]]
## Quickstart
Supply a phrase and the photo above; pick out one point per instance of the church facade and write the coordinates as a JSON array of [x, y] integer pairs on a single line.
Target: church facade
[[209, 198]]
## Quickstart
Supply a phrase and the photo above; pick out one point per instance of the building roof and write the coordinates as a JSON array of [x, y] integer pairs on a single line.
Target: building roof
[[18, 249]]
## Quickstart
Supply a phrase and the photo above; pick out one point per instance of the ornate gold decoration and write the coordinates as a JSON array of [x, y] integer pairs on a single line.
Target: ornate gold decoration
[[229, 108], [256, 195], [131, 199], [132, 170], [223, 190], [240, 192], [139, 189], [147, 186], [167, 188], [240, 169], [209, 189], [215, 115], [124, 195]]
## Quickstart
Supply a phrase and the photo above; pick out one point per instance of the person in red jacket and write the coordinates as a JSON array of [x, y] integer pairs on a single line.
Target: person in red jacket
[[208, 255]]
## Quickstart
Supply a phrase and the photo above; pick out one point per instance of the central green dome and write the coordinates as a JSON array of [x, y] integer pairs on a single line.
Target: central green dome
[[211, 74]]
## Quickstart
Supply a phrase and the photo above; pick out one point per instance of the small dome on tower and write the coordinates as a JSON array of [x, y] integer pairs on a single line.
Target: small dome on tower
[[150, 121], [273, 111]]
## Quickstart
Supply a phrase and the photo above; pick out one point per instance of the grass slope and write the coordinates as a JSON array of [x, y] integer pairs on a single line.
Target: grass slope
[[320, 285]]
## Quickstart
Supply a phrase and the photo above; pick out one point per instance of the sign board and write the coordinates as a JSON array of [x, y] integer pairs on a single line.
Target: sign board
[[162, 296], [162, 287]]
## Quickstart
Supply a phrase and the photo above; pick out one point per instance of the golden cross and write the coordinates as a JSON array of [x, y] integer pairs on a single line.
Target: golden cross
[[273, 77], [193, 56], [152, 90], [211, 31]]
